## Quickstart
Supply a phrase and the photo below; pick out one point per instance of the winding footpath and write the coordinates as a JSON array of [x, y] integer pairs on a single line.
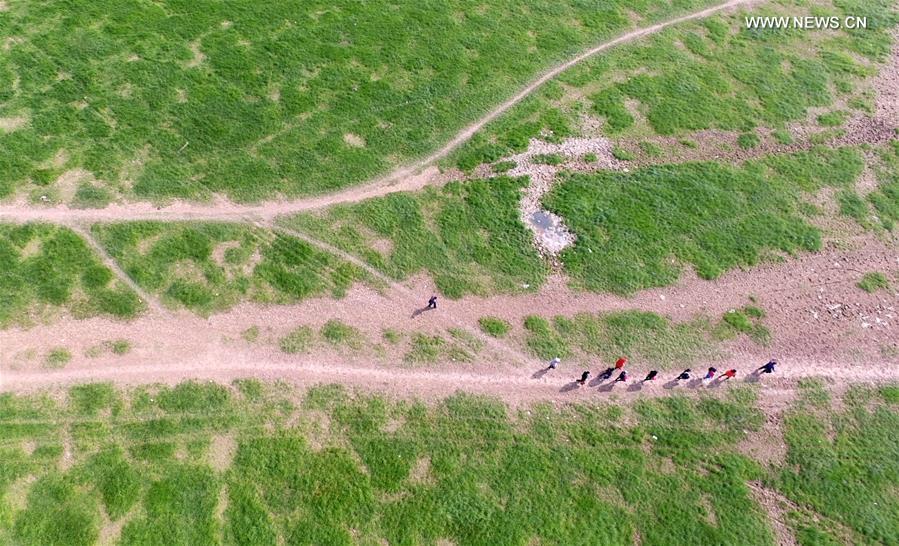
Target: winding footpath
[[410, 177]]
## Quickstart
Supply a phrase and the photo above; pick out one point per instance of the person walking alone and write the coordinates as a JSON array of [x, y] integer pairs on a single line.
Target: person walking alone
[[432, 303], [553, 363]]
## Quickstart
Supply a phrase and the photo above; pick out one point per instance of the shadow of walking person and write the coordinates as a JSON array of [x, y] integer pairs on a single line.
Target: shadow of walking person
[[754, 377], [635, 387], [607, 387], [422, 310], [671, 384], [540, 373], [570, 386]]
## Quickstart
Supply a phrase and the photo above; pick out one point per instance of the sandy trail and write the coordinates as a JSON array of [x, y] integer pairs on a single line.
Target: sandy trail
[[408, 178], [515, 388], [816, 312]]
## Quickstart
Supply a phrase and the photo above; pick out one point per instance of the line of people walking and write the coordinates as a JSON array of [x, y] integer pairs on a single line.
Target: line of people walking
[[710, 376]]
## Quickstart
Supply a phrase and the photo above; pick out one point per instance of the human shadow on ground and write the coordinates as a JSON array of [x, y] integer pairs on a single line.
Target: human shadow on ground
[[635, 387], [570, 387], [607, 387], [540, 373], [754, 377], [422, 310], [598, 380], [671, 384]]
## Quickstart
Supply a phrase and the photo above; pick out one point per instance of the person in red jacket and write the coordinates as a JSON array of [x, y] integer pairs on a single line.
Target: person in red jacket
[[729, 374], [619, 364]]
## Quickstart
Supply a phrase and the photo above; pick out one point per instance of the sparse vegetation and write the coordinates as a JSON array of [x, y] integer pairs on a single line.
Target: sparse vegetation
[[748, 140], [642, 336], [548, 159], [299, 340], [336, 332], [57, 357], [747, 320], [873, 281], [251, 334], [494, 326]]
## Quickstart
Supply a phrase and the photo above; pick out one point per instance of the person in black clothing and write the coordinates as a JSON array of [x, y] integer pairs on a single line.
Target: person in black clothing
[[622, 377], [607, 373], [684, 375], [584, 377], [432, 303], [769, 367], [711, 374], [651, 376]]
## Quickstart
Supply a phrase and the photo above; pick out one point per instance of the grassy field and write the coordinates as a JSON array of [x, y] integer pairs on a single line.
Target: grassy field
[[468, 236], [636, 230], [48, 269], [260, 464], [648, 339], [880, 207], [743, 80], [208, 267], [182, 99]]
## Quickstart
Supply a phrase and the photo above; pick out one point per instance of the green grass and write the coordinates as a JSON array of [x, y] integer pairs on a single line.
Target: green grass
[[646, 338], [748, 140], [466, 469], [494, 326], [832, 119], [636, 230], [392, 336], [208, 267], [503, 166], [548, 159], [650, 149], [589, 158], [425, 349], [47, 269], [299, 340], [120, 346], [89, 196], [873, 281], [57, 358], [843, 464], [623, 155], [336, 332], [468, 236], [709, 74], [885, 199], [180, 100], [748, 321]]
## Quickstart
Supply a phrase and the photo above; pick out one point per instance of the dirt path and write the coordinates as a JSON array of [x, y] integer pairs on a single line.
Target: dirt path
[[823, 326], [408, 178]]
